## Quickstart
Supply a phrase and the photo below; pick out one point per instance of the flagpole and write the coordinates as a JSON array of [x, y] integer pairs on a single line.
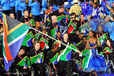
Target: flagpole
[[53, 39], [63, 52]]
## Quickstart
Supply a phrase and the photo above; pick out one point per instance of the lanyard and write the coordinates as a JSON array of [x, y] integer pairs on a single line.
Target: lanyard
[[54, 24], [36, 52], [28, 20], [100, 35], [81, 22], [59, 39], [20, 57], [45, 37], [36, 31], [25, 19]]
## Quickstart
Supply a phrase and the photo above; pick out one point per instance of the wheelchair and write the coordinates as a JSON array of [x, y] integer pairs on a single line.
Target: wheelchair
[[17, 72], [77, 65], [49, 70], [109, 62]]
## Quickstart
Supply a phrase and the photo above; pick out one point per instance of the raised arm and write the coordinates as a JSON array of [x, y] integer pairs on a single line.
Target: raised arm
[[32, 4], [88, 47], [98, 42], [3, 1], [17, 4], [87, 44], [23, 5]]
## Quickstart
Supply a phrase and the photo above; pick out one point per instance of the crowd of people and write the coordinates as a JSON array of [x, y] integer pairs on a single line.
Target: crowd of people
[[72, 37]]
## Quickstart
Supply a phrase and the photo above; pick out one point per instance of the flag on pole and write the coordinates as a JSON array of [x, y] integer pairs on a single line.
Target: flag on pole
[[24, 62], [54, 59], [56, 43], [28, 40], [71, 27], [14, 34], [31, 22], [85, 28], [63, 18], [106, 50], [54, 32], [102, 39], [37, 35], [87, 53], [59, 18], [39, 58], [65, 55]]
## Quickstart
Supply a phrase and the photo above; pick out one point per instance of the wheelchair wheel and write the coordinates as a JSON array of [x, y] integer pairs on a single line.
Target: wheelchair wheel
[[47, 70], [32, 71], [12, 72], [17, 72]]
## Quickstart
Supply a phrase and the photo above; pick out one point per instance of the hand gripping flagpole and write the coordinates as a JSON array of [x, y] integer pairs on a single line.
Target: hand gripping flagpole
[[63, 52], [53, 38]]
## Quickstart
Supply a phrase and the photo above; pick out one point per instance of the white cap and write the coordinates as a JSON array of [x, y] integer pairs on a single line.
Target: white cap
[[66, 3], [75, 1]]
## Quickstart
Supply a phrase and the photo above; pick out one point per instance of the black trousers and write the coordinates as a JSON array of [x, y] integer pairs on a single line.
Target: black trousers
[[39, 69], [52, 68], [64, 65]]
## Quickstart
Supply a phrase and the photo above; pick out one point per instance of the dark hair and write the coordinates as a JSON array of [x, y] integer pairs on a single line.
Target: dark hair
[[84, 37], [34, 1], [53, 46], [65, 33], [66, 9], [113, 8], [91, 17], [95, 4], [58, 31], [23, 47], [73, 14], [76, 30], [75, 3], [36, 22], [11, 13], [113, 16], [82, 14], [25, 10], [87, 0], [91, 31], [104, 0], [61, 3], [94, 33]]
